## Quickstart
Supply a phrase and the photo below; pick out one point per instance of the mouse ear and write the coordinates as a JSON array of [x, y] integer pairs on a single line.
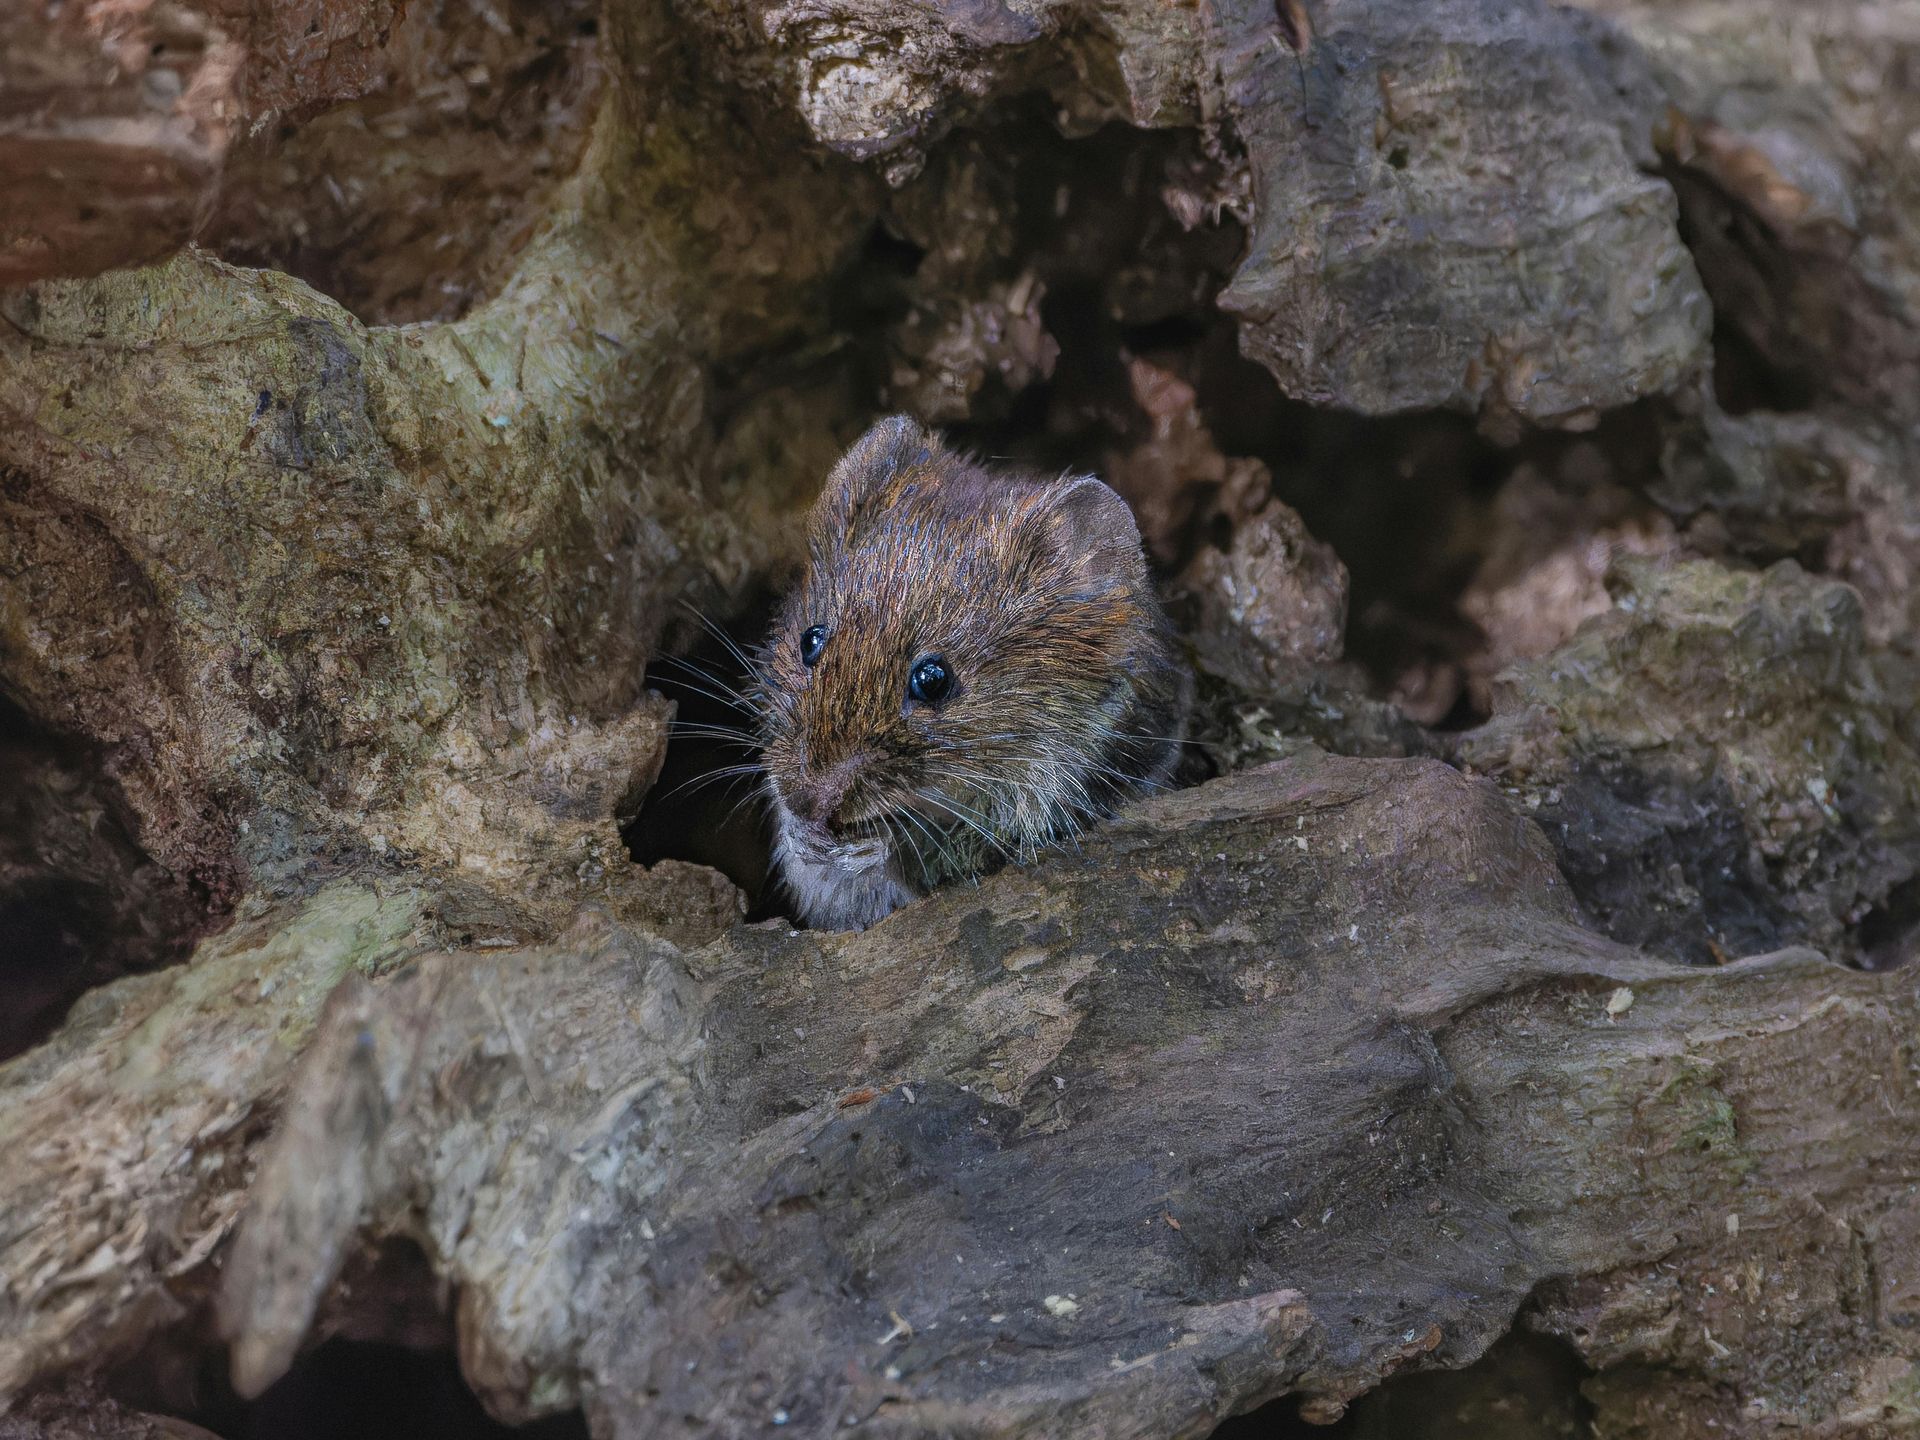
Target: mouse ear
[[1093, 530], [890, 446]]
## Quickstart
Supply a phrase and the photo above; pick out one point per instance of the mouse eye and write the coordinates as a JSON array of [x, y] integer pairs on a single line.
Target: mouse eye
[[812, 640], [930, 681]]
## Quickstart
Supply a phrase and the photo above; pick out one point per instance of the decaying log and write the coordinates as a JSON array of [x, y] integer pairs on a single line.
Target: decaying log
[[393, 590], [1447, 199], [85, 1414], [1383, 281], [1804, 735], [116, 115], [1282, 1083], [131, 1127], [1314, 1074]]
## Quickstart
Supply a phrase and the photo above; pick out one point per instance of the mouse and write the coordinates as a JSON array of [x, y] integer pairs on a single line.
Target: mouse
[[973, 667]]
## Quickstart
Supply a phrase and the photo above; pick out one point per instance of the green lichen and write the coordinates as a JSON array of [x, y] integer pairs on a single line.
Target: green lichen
[[1690, 1115]]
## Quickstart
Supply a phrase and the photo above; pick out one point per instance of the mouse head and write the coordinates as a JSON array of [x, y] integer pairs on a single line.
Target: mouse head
[[948, 677]]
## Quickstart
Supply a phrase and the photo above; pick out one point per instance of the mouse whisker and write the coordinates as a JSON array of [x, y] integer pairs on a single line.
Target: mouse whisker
[[733, 646], [681, 694], [1026, 795], [701, 730], [913, 848], [1064, 798], [705, 671], [711, 687], [730, 773], [752, 794], [1119, 780], [953, 853], [1149, 736], [972, 819]]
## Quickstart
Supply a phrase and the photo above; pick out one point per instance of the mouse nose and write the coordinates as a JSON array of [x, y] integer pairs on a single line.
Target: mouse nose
[[821, 796]]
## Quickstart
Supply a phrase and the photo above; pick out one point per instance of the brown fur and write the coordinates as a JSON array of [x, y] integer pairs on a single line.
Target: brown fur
[[1068, 695]]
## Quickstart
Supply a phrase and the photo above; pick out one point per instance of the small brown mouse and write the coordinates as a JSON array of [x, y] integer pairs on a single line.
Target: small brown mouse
[[974, 667]]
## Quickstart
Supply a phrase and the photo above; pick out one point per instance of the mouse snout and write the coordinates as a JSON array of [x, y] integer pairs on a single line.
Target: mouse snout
[[820, 797]]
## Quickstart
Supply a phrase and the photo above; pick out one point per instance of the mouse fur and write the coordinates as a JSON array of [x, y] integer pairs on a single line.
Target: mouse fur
[[1066, 697]]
